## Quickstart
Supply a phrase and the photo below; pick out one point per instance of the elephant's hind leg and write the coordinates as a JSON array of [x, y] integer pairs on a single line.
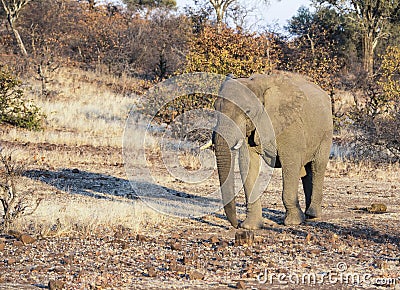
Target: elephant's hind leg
[[307, 184], [294, 214], [318, 167]]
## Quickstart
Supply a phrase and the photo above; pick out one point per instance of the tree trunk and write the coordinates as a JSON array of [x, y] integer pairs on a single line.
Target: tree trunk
[[368, 54], [312, 46], [91, 4], [19, 41], [18, 38], [220, 17]]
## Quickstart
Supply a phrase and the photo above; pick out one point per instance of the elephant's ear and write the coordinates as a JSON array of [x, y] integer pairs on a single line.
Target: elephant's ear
[[282, 96], [260, 121]]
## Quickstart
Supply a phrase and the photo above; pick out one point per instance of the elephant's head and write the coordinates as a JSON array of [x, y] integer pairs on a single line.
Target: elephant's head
[[242, 117]]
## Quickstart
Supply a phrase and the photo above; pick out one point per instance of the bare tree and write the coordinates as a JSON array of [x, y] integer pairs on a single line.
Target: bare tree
[[221, 8], [92, 3], [12, 9]]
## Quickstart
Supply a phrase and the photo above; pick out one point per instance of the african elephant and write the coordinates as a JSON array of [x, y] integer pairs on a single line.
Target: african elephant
[[298, 142]]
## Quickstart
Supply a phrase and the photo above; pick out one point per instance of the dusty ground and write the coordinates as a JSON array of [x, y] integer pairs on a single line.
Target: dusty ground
[[163, 252]]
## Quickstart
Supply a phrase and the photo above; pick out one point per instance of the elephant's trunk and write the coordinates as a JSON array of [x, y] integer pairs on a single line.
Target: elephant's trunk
[[225, 163]]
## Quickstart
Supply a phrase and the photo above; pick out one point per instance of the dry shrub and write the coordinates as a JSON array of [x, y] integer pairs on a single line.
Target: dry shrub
[[14, 202], [232, 51], [376, 113]]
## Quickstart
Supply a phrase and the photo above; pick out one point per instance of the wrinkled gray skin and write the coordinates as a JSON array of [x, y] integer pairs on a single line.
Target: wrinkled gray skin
[[300, 113]]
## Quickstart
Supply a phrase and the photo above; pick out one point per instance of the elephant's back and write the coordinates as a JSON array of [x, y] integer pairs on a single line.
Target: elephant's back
[[287, 87], [292, 98]]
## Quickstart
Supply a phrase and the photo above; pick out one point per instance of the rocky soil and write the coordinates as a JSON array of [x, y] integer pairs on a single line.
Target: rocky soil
[[351, 247]]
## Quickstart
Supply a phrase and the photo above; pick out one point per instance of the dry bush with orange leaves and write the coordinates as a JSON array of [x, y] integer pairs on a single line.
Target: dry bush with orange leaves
[[232, 51]]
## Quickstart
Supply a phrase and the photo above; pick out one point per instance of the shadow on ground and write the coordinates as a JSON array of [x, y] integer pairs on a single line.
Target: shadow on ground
[[109, 187], [161, 198], [84, 183], [357, 230]]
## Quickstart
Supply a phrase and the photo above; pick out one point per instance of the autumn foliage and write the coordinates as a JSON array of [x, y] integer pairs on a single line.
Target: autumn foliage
[[232, 52]]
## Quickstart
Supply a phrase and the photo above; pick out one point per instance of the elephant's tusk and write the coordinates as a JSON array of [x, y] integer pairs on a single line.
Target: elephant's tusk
[[207, 145], [238, 144]]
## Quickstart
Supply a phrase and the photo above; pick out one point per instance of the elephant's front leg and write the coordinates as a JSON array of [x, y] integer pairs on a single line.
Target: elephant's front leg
[[290, 175], [249, 164]]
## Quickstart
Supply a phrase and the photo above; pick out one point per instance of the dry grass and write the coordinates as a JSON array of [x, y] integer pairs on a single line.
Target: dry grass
[[364, 169], [84, 111], [189, 161], [87, 217]]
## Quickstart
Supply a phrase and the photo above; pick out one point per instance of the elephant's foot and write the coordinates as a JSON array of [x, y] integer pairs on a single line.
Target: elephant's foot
[[294, 217], [234, 223], [252, 224], [313, 214]]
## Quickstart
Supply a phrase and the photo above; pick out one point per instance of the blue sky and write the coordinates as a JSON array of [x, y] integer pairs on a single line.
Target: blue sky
[[277, 12]]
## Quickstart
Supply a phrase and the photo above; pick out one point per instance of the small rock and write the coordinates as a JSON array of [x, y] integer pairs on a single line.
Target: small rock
[[75, 170], [271, 264], [247, 252], [223, 244], [141, 238], [214, 239], [187, 260], [240, 285], [2, 246], [172, 266], [248, 271], [382, 265], [15, 234], [27, 239], [151, 272], [11, 261], [176, 246], [179, 269], [244, 238], [56, 285], [59, 269], [175, 236], [207, 245], [308, 238], [305, 265], [124, 245], [334, 238], [66, 261], [196, 275], [315, 252], [18, 244], [377, 208]]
